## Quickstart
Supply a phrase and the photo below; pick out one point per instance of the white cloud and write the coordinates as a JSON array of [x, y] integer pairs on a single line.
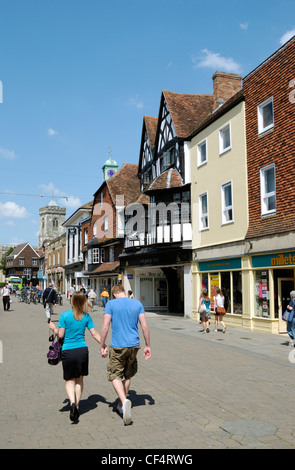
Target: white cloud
[[8, 154], [51, 132], [214, 60], [61, 197], [11, 209], [135, 102], [288, 35], [244, 26]]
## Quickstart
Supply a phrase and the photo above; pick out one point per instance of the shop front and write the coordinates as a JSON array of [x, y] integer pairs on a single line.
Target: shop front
[[226, 274], [273, 280], [148, 286], [160, 280], [258, 288]]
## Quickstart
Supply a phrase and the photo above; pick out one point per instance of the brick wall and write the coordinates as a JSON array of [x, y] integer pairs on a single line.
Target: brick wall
[[276, 146], [225, 85], [99, 214]]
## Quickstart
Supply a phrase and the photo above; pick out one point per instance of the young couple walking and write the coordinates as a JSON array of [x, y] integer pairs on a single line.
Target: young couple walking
[[123, 314]]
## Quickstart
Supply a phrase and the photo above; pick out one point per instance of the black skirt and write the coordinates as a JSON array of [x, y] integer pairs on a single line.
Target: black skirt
[[75, 363]]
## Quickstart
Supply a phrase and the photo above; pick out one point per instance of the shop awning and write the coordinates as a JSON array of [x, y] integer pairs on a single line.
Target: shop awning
[[107, 267]]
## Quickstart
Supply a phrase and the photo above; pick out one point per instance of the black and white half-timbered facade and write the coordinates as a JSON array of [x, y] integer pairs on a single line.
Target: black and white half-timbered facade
[[157, 264]]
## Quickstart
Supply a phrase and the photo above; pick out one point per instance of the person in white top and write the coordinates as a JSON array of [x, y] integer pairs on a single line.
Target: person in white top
[[5, 296], [219, 309]]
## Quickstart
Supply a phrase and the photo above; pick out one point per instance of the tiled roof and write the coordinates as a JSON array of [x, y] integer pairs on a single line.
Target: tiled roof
[[107, 267], [125, 182], [151, 128], [167, 180], [212, 116], [187, 111], [17, 249]]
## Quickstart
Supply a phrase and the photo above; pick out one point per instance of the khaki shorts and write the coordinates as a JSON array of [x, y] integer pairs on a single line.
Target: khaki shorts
[[122, 363]]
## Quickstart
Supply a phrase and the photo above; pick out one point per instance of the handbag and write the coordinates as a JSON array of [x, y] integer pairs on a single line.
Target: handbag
[[220, 310], [54, 353], [288, 315], [202, 308]]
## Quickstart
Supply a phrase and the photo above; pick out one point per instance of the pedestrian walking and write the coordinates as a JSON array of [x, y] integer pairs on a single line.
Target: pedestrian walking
[[49, 300], [104, 297], [124, 314], [219, 309], [204, 310], [130, 294], [5, 297], [91, 297], [71, 291], [75, 358], [291, 324]]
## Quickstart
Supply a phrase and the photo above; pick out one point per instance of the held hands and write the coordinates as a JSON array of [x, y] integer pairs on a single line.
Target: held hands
[[104, 351]]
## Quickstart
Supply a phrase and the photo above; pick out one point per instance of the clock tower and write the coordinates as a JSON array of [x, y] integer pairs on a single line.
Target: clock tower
[[109, 168]]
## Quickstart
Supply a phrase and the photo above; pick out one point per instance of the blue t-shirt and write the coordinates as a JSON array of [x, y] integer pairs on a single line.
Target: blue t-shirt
[[74, 329], [125, 314]]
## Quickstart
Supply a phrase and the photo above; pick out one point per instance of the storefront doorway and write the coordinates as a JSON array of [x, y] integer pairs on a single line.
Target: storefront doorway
[[285, 286]]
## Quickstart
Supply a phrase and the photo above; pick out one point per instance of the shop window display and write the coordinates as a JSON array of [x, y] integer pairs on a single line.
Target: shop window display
[[262, 294]]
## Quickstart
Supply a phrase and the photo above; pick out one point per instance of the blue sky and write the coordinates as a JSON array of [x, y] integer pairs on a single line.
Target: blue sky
[[79, 75]]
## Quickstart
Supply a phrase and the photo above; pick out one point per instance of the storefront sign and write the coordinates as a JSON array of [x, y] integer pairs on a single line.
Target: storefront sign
[[274, 260], [220, 265]]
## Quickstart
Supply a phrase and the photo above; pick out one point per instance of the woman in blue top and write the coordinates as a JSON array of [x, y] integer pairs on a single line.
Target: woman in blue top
[[72, 325], [204, 309]]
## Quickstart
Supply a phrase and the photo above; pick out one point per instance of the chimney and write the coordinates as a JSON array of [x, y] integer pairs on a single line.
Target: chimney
[[225, 85]]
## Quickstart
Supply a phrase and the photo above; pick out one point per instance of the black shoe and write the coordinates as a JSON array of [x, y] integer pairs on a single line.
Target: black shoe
[[74, 412]]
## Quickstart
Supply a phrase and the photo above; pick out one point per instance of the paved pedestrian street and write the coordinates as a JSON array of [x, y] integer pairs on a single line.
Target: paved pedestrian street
[[212, 391]]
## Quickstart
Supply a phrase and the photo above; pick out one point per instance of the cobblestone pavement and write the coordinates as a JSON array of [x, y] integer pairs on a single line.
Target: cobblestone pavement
[[212, 391]]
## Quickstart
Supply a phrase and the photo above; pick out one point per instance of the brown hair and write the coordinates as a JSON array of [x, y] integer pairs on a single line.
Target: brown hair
[[117, 289], [79, 305], [205, 294]]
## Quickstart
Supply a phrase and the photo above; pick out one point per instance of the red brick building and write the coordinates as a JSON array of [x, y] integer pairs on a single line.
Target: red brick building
[[23, 262], [103, 233], [270, 138]]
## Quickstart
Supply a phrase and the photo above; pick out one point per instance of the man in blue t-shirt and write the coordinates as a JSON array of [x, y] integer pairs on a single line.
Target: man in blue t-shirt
[[124, 314]]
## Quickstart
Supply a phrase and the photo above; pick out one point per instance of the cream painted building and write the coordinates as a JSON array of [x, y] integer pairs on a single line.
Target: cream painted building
[[220, 209]]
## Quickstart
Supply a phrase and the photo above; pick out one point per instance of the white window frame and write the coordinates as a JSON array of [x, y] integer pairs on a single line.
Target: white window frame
[[21, 261], [263, 194], [94, 229], [223, 149], [203, 215], [261, 128], [225, 208], [101, 199], [95, 255], [199, 161]]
